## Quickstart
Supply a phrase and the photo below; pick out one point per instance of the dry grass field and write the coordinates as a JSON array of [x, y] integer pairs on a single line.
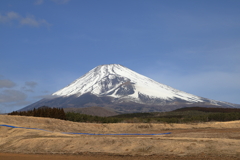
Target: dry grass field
[[213, 140]]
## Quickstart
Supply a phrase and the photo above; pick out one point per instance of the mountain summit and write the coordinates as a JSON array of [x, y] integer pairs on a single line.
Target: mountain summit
[[123, 90], [123, 84]]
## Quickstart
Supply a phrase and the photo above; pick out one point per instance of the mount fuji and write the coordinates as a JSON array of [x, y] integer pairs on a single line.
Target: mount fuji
[[120, 89]]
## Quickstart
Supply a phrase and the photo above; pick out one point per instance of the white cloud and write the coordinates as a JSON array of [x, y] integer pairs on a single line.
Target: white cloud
[[29, 20]]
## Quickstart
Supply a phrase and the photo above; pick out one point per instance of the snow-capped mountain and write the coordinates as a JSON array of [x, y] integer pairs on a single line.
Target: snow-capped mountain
[[120, 82], [117, 87]]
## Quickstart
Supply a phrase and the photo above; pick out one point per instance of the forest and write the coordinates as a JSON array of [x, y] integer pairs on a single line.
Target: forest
[[183, 115], [43, 111]]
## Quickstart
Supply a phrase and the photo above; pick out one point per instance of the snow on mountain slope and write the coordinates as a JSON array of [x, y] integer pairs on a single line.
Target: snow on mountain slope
[[122, 90], [120, 82]]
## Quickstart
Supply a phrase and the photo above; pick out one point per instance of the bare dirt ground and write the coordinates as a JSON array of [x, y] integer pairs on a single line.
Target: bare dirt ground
[[214, 140], [10, 156]]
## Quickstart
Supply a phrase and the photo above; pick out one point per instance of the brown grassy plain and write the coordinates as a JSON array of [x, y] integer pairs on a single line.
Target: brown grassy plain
[[213, 140]]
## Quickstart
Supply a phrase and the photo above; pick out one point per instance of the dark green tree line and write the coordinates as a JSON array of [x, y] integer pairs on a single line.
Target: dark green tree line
[[42, 112]]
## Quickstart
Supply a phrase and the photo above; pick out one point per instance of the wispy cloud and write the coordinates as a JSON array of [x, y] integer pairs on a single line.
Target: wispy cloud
[[38, 2], [9, 17], [5, 83], [29, 20], [11, 95], [61, 1], [47, 96], [31, 84]]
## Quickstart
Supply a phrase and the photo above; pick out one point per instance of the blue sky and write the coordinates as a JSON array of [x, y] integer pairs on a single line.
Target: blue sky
[[191, 45]]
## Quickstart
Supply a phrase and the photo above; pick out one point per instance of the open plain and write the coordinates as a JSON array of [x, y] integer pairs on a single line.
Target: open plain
[[212, 140]]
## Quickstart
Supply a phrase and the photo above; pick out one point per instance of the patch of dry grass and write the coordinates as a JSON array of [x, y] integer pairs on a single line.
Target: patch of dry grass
[[186, 139]]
